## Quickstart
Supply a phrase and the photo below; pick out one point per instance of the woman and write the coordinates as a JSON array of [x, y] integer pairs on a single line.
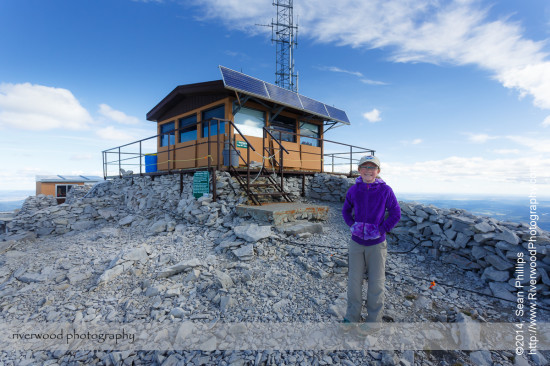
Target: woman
[[364, 211]]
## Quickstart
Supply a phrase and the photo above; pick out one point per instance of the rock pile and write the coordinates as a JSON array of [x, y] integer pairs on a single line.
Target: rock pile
[[139, 202], [77, 191], [329, 187], [501, 252], [139, 250], [36, 203]]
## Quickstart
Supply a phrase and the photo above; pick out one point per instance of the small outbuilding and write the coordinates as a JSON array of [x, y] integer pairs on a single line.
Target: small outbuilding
[[59, 185]]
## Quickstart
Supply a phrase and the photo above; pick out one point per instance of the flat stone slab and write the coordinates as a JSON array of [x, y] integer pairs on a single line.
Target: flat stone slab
[[279, 213]]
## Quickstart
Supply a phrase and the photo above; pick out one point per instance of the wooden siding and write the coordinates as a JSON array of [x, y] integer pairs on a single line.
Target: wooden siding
[[300, 157]]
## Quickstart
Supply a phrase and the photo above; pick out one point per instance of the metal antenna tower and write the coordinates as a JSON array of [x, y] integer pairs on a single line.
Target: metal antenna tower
[[282, 33]]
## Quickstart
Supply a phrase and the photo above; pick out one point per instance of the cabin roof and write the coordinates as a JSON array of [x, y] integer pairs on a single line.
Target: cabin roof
[[68, 178], [206, 92], [182, 92]]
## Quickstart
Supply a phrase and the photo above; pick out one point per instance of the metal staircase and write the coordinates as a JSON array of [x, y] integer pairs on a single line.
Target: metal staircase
[[263, 192], [261, 185]]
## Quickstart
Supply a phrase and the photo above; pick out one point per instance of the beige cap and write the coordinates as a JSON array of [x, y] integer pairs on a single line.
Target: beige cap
[[369, 159]]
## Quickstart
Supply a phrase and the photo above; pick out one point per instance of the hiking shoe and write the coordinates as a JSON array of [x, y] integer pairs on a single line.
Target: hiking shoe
[[346, 325]]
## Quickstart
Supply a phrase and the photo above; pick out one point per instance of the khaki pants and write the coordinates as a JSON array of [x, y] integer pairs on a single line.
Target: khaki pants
[[371, 259]]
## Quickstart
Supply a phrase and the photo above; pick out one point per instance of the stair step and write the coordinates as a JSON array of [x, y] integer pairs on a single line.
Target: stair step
[[262, 185], [270, 194]]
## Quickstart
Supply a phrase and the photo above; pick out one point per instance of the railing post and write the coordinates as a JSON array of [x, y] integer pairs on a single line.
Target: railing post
[[214, 192], [322, 155], [209, 151], [140, 170], [350, 160], [119, 166], [281, 165], [229, 147], [103, 164], [248, 168], [174, 152], [332, 163], [218, 147]]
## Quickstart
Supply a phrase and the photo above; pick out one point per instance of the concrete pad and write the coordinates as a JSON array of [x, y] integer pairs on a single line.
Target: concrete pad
[[279, 213]]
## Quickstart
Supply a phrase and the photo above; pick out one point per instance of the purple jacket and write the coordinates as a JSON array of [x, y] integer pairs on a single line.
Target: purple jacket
[[368, 204]]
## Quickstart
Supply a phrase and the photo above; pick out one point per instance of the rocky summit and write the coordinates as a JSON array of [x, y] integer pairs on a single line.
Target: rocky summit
[[145, 253]]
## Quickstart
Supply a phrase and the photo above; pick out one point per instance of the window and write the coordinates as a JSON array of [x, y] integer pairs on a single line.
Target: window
[[281, 124], [62, 189], [250, 122], [188, 128], [217, 112], [168, 138], [307, 131]]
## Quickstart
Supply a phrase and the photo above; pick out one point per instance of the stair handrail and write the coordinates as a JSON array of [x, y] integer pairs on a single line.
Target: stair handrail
[[239, 131], [280, 163], [274, 138]]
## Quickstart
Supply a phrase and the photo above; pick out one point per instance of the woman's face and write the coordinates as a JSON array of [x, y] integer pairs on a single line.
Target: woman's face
[[368, 172]]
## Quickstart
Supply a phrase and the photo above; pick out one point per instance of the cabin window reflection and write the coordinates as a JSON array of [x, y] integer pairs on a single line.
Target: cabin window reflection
[[309, 133], [168, 135], [188, 128], [217, 112], [250, 122], [284, 128]]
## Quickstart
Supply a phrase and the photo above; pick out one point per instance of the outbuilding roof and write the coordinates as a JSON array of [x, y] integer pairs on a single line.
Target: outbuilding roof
[[68, 178]]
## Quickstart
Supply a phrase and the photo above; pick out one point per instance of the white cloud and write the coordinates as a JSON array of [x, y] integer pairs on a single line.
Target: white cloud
[[412, 142], [354, 73], [466, 175], [20, 178], [82, 157], [546, 122], [480, 138], [37, 107], [372, 116], [506, 151], [113, 134], [539, 145], [456, 32], [469, 175], [373, 82], [117, 116], [337, 69]]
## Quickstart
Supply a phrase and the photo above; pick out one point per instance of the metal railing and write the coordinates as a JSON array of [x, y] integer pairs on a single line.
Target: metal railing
[[119, 160], [349, 158]]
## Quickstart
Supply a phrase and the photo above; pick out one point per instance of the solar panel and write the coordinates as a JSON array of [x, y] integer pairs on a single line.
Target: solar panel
[[242, 82], [313, 106], [248, 85], [283, 95], [337, 114]]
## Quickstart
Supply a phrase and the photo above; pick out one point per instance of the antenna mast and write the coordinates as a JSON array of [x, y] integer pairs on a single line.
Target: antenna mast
[[286, 42]]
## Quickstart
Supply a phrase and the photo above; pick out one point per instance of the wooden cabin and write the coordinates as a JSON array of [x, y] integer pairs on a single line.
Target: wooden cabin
[[59, 185], [193, 124]]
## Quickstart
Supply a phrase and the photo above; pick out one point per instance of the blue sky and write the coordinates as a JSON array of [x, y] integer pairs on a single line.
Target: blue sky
[[453, 95]]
